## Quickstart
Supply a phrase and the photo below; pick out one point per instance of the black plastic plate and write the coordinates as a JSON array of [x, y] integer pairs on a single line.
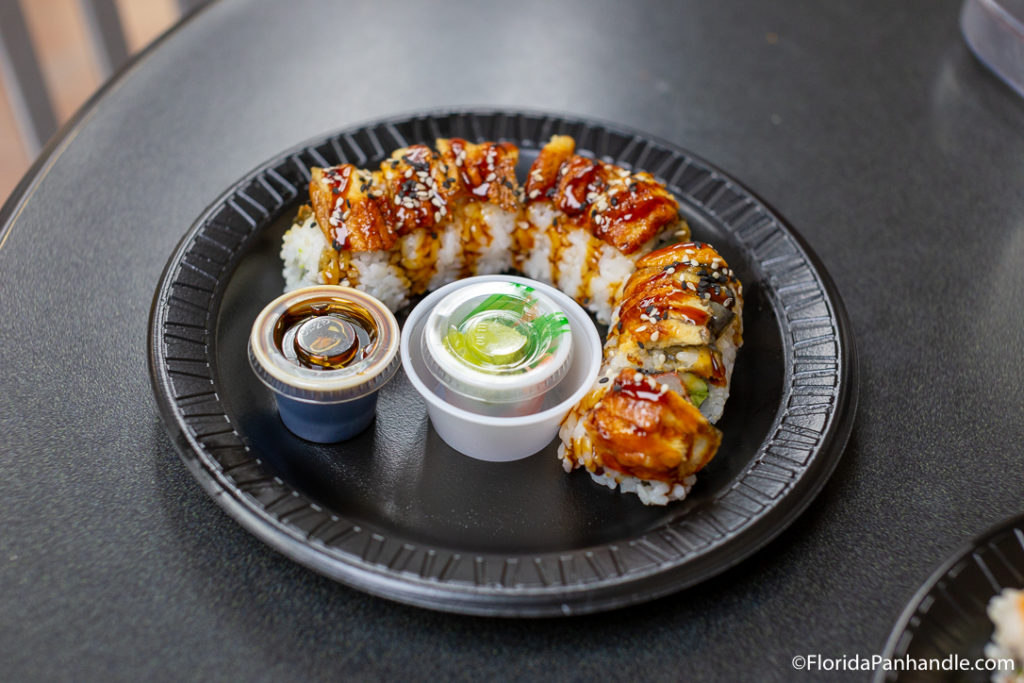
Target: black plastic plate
[[948, 615], [397, 513]]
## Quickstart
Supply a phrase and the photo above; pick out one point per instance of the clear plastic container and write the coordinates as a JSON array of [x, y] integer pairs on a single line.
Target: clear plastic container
[[994, 30], [501, 438], [497, 346]]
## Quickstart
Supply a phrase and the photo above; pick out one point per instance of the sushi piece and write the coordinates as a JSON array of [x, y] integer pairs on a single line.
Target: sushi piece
[[1006, 611], [646, 425], [423, 219], [681, 312], [640, 433], [586, 222]]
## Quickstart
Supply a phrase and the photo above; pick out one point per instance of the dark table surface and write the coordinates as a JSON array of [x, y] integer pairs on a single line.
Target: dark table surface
[[868, 125]]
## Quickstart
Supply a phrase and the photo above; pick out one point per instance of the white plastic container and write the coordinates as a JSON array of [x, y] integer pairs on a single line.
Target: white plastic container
[[501, 438], [994, 30], [499, 348]]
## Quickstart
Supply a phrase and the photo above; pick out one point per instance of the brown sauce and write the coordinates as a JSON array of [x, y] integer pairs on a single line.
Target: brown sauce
[[641, 391], [555, 236], [348, 334], [590, 262]]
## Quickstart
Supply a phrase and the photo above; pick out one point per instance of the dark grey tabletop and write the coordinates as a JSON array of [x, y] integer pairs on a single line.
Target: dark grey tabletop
[[870, 128]]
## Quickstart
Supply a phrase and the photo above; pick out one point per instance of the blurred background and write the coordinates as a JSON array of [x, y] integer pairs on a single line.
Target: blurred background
[[65, 49]]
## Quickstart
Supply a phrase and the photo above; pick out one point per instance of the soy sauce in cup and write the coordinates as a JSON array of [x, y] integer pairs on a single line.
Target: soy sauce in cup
[[325, 351]]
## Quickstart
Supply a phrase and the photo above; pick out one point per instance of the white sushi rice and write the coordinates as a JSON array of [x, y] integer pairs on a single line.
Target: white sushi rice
[[542, 214], [301, 249], [649, 492], [613, 269], [496, 257], [537, 263], [378, 277], [572, 259], [1006, 611], [449, 257]]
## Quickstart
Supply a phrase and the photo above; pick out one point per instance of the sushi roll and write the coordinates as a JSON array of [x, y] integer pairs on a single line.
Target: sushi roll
[[424, 218], [681, 312], [427, 217], [640, 433], [1006, 611], [646, 425], [586, 222]]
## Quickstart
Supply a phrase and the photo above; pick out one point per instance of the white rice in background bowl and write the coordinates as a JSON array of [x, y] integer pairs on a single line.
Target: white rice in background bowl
[[1006, 611]]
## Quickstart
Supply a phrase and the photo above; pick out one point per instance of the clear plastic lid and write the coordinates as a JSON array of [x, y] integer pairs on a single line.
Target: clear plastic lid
[[325, 344], [497, 342]]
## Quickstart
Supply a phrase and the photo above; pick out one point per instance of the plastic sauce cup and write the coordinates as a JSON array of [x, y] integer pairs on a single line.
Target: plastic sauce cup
[[497, 347], [465, 412], [325, 351]]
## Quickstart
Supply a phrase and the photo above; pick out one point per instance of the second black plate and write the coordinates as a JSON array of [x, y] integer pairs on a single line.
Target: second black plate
[[948, 616], [396, 512]]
